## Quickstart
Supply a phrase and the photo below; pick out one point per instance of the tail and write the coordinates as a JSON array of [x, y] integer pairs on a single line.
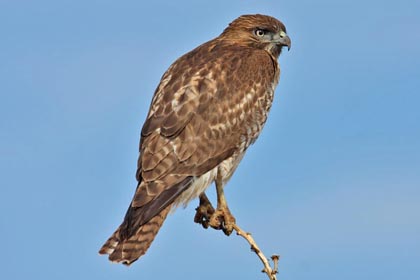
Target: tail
[[126, 247]]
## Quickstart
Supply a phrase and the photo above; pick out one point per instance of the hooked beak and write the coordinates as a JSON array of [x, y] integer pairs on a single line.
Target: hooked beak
[[282, 39]]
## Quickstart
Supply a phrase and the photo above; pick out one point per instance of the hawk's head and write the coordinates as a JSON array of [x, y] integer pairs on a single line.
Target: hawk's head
[[258, 31]]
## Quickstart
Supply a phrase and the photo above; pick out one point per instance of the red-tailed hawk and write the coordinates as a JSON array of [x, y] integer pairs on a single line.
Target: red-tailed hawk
[[209, 107]]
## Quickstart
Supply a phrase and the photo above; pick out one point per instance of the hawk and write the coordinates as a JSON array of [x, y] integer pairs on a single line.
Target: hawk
[[210, 106]]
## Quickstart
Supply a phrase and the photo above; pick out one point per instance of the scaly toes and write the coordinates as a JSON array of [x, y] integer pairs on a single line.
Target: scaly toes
[[203, 214], [216, 220], [222, 219], [229, 221]]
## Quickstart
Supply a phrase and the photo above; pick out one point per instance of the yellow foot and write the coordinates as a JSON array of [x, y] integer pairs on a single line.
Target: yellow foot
[[222, 219]]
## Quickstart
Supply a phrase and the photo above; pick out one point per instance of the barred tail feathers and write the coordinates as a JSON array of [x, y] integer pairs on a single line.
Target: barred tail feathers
[[127, 249]]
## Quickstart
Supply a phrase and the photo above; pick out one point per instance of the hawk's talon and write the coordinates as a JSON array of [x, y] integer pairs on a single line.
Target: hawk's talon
[[222, 219], [203, 213]]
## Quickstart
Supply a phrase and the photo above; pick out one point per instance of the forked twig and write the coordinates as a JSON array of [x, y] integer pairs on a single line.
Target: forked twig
[[271, 272]]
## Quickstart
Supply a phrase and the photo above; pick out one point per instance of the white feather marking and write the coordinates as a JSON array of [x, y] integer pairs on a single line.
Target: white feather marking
[[225, 169], [199, 185]]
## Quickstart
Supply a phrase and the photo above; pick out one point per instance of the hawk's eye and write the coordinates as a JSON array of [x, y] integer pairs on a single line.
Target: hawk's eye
[[259, 32]]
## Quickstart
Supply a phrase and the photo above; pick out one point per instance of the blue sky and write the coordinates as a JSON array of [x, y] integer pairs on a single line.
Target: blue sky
[[332, 184]]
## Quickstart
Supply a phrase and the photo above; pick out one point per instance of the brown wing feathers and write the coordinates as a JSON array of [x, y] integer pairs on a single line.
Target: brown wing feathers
[[177, 145]]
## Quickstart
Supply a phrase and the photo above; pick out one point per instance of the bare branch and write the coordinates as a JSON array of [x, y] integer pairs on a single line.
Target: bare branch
[[271, 272]]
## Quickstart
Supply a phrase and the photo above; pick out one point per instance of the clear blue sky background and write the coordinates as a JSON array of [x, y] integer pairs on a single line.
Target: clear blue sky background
[[332, 185]]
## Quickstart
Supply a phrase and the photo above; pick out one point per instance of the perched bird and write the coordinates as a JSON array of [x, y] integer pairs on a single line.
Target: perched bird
[[209, 107]]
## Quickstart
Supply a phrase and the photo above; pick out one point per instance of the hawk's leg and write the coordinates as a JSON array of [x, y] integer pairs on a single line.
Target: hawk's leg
[[204, 211], [222, 218]]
